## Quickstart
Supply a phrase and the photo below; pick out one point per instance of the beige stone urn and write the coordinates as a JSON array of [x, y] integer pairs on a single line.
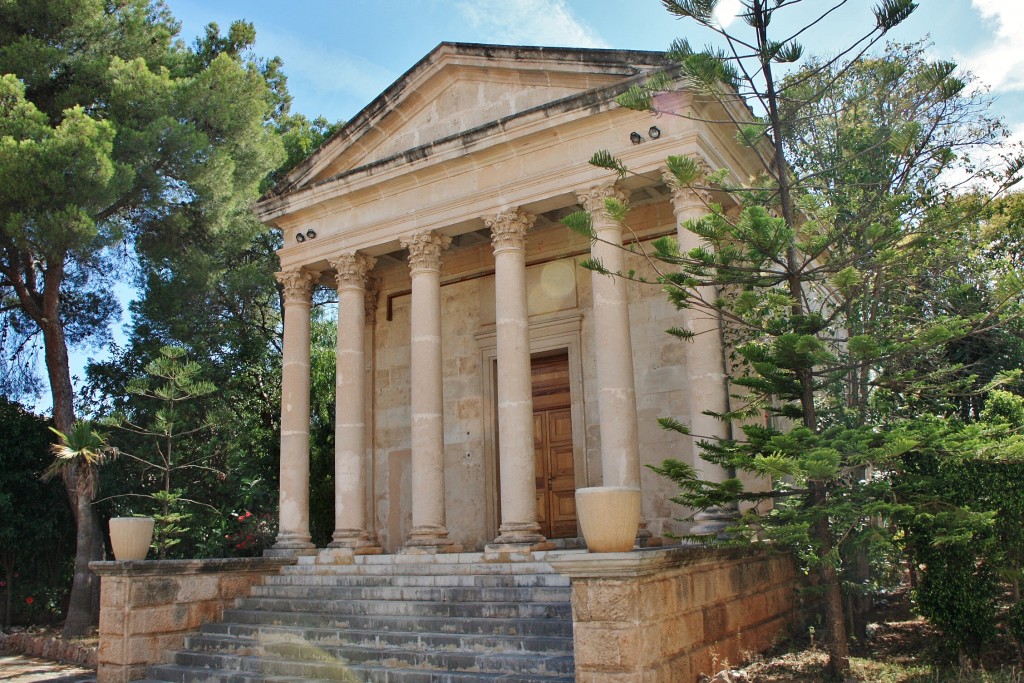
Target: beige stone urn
[[609, 517], [130, 537]]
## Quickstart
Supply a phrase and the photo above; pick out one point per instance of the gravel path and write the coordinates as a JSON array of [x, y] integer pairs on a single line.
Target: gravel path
[[22, 669]]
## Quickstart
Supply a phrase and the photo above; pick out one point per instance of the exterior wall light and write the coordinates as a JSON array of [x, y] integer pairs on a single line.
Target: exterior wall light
[[654, 132], [300, 238], [311, 233], [635, 138]]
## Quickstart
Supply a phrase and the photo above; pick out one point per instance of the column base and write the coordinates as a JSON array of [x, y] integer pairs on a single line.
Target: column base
[[713, 521], [644, 537], [519, 533], [291, 545], [359, 542], [430, 540]]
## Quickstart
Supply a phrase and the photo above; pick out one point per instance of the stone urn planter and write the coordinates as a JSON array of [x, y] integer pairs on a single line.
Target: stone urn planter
[[130, 537], [609, 517]]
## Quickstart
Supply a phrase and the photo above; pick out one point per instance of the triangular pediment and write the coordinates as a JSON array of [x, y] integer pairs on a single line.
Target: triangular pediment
[[459, 88]]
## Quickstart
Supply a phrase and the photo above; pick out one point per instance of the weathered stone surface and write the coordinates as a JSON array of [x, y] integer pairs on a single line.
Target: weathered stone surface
[[147, 607], [669, 615]]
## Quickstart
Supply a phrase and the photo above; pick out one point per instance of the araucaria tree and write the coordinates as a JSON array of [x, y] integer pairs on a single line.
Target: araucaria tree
[[818, 269], [115, 139]]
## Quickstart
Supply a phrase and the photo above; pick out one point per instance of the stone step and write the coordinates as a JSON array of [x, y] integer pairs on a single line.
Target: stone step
[[355, 674], [246, 639], [486, 610], [415, 593], [333, 663], [431, 568], [463, 580], [247, 618]]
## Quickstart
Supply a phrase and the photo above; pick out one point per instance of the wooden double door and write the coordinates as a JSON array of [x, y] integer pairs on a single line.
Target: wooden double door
[[553, 446]]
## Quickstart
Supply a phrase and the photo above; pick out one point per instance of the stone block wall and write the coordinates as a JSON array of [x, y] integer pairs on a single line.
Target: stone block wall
[[670, 615], [147, 607]]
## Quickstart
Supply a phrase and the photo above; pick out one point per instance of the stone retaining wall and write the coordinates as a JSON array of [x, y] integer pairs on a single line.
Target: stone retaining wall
[[669, 615], [49, 647], [147, 607]]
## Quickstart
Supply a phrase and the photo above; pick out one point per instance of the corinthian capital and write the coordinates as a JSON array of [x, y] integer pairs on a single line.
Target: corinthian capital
[[351, 269], [592, 200], [298, 284], [508, 229], [425, 250], [687, 196]]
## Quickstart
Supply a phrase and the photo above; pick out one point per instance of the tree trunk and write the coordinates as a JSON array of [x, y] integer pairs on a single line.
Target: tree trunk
[[81, 608], [84, 605], [838, 648]]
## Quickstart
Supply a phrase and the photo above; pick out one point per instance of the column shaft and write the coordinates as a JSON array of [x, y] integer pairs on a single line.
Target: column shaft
[[705, 361], [426, 377], [350, 529], [515, 392], [613, 348], [293, 513]]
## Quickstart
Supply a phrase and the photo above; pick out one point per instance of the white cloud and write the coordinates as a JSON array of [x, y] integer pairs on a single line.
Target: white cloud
[[528, 22], [727, 12], [1000, 64]]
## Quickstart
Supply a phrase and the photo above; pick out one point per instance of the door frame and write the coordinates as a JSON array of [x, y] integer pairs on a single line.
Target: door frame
[[548, 332]]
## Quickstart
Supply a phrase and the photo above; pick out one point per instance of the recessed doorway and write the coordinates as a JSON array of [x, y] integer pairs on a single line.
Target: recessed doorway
[[553, 446]]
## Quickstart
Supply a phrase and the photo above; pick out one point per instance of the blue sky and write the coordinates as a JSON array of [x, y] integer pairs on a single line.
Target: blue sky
[[340, 54]]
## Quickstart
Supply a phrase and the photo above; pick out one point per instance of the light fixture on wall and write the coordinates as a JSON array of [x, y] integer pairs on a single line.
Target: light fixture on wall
[[300, 238], [654, 133], [311, 233], [636, 138]]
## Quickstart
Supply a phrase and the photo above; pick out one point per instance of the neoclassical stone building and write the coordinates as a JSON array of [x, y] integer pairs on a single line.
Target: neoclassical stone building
[[482, 375]]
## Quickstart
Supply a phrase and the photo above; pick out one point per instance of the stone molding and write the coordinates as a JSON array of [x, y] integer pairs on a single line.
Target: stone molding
[[508, 229], [298, 285], [351, 269], [425, 250]]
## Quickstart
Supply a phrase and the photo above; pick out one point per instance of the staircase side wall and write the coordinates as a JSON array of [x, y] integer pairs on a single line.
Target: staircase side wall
[[667, 616], [148, 607]]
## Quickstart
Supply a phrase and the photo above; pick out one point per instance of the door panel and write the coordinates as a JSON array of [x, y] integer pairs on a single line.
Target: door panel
[[553, 447]]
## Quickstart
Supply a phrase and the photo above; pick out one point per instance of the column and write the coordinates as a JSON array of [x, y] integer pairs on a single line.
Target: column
[[515, 392], [616, 399], [293, 534], [429, 532], [705, 360], [350, 405]]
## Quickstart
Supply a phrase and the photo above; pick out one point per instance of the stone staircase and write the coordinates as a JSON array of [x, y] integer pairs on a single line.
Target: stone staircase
[[389, 619]]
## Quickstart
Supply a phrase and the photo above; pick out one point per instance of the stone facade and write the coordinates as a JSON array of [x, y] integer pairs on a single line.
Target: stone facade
[[147, 608], [447, 192], [668, 616]]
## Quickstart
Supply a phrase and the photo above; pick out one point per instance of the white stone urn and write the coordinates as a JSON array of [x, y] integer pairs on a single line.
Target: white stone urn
[[130, 537], [609, 517]]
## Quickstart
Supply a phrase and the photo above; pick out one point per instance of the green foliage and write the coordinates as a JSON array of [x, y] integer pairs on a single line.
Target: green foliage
[[848, 279], [37, 533], [166, 416]]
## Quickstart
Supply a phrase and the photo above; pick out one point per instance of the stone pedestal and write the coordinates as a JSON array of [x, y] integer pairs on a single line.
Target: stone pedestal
[[669, 615], [148, 607]]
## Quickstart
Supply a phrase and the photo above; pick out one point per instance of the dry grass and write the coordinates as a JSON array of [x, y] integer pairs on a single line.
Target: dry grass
[[896, 652]]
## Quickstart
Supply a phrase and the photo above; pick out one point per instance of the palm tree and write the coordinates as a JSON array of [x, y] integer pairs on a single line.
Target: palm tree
[[76, 458]]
